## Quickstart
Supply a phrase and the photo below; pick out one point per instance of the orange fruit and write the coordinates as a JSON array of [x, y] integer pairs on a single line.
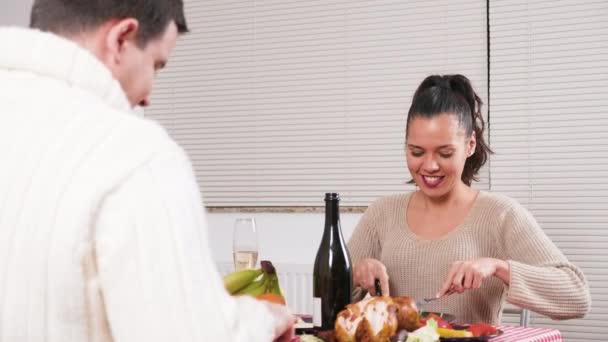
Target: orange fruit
[[272, 297]]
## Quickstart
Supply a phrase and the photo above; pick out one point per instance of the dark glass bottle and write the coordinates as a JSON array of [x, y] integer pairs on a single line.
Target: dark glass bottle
[[332, 275]]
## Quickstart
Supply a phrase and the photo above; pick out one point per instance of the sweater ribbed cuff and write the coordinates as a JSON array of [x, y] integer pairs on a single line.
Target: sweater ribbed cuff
[[555, 294], [517, 291]]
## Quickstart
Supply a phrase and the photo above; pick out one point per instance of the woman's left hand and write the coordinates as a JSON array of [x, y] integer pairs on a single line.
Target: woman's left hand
[[465, 275]]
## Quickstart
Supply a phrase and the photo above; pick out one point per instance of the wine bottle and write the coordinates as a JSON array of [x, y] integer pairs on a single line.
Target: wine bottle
[[332, 274]]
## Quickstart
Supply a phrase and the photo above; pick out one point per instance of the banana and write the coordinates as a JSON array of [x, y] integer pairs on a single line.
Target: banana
[[274, 284], [236, 281], [255, 288], [249, 282]]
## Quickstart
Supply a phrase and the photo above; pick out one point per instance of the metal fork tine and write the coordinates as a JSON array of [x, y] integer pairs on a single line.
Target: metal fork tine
[[420, 303]]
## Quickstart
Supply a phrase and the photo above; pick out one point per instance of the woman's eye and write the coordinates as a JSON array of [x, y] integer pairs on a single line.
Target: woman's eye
[[417, 154], [445, 155]]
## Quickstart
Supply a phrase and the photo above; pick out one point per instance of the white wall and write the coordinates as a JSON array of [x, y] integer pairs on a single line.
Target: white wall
[[15, 12], [283, 238]]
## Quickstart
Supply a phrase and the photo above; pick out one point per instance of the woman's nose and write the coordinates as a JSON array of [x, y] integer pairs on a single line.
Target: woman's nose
[[430, 164]]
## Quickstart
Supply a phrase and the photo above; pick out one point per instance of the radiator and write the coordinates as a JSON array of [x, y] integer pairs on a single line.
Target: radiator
[[295, 281]]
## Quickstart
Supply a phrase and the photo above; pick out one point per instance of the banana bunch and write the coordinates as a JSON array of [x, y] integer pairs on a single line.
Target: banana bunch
[[253, 282]]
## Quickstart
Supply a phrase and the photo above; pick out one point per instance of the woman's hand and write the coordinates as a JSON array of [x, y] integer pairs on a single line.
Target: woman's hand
[[367, 271], [465, 275]]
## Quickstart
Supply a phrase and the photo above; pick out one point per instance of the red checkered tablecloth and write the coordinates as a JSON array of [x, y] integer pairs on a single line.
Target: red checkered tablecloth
[[528, 334]]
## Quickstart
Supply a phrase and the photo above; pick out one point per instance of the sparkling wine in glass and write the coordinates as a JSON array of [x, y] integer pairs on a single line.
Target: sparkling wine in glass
[[245, 247]]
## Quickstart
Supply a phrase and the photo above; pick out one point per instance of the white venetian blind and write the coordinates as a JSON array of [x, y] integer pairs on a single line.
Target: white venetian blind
[[279, 101], [549, 94]]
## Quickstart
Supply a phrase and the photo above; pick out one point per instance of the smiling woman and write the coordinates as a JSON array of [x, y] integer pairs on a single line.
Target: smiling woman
[[445, 149], [453, 96], [436, 162], [448, 237]]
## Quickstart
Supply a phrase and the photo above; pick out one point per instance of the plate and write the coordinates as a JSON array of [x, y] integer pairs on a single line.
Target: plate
[[469, 339], [304, 325], [448, 317]]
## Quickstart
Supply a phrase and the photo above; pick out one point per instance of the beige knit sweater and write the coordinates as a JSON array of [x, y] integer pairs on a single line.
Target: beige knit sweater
[[542, 279]]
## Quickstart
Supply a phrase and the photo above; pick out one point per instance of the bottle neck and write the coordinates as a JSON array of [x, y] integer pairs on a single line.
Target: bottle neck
[[332, 219]]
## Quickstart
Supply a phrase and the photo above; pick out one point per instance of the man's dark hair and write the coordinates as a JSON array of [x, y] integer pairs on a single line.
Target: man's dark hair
[[75, 16]]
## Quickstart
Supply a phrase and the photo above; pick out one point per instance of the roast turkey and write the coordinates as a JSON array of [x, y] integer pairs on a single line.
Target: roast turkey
[[376, 319]]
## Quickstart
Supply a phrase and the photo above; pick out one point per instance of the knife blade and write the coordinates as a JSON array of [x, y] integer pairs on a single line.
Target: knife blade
[[377, 287]]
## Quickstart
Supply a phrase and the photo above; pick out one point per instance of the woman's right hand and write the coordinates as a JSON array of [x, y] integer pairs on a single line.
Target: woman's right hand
[[367, 271]]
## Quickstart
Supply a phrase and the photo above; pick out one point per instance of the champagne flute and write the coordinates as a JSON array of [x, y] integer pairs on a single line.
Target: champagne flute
[[245, 244]]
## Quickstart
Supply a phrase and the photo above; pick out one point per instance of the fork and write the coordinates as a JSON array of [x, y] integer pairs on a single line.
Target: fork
[[425, 301], [419, 303]]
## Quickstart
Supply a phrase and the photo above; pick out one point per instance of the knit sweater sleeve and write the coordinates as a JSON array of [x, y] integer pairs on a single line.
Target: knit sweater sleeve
[[365, 242], [542, 278], [155, 270]]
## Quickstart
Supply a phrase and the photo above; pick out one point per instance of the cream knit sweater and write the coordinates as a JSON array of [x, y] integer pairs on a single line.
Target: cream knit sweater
[[102, 231], [542, 279]]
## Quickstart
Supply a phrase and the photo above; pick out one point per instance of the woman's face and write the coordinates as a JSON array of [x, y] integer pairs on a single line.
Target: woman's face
[[436, 151]]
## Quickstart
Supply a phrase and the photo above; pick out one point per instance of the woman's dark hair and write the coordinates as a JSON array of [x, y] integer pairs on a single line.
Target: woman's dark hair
[[75, 16], [453, 94]]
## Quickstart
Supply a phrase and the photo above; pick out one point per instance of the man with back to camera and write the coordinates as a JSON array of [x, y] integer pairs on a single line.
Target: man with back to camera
[[102, 233]]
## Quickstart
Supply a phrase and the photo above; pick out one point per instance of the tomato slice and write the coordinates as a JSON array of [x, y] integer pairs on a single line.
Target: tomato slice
[[441, 323], [482, 329]]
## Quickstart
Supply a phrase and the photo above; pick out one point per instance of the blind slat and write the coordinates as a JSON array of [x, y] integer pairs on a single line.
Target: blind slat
[[549, 80], [279, 87]]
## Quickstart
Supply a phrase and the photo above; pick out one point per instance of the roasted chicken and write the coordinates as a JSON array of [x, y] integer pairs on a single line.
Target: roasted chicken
[[376, 319]]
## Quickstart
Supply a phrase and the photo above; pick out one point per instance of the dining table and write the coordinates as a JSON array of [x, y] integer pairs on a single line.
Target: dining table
[[520, 334], [510, 333]]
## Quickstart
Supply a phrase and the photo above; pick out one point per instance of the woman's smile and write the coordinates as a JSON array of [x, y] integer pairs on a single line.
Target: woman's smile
[[432, 181]]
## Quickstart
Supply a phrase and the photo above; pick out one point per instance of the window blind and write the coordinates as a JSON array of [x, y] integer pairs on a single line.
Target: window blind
[[277, 102], [549, 92]]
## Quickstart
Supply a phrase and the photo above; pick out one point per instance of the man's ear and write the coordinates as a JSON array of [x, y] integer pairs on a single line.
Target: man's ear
[[120, 35]]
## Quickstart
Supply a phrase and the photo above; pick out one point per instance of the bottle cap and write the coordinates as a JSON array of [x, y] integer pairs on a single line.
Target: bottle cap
[[332, 196]]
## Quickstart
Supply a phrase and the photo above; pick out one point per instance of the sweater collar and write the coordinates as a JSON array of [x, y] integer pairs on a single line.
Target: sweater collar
[[49, 55]]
